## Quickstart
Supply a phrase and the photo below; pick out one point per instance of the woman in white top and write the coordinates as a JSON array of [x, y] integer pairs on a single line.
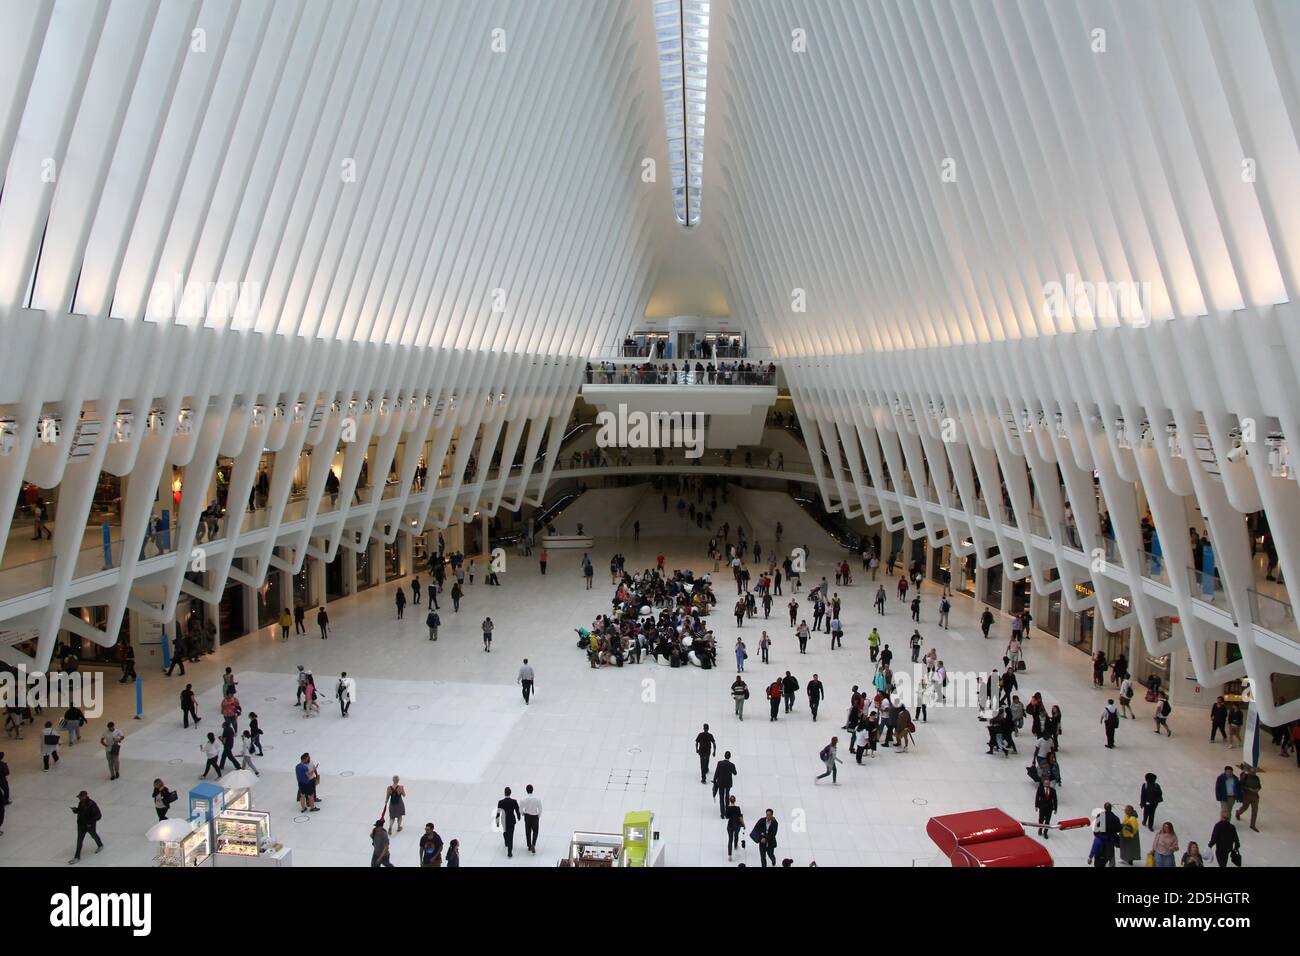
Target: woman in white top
[[246, 752], [211, 749]]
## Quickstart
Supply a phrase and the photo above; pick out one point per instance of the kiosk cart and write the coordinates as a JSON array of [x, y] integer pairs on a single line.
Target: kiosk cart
[[594, 849], [641, 846], [238, 787], [181, 843]]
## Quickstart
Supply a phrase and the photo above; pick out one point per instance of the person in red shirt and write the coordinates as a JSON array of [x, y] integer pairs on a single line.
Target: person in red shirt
[[774, 692]]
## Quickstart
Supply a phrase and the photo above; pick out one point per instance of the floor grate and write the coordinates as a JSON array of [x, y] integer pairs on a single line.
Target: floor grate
[[627, 781]]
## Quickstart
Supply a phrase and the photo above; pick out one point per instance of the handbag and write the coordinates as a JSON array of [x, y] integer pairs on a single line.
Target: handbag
[[1151, 858], [1235, 857]]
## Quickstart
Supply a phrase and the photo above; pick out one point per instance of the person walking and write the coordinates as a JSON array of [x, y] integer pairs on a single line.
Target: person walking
[[211, 750], [803, 634], [764, 642], [775, 691], [816, 694], [1130, 843], [525, 679], [1250, 787], [88, 816], [741, 654], [400, 600], [189, 706], [323, 622], [415, 590], [247, 747], [789, 685], [724, 777], [163, 798], [1164, 845], [488, 627], [302, 686], [73, 720], [432, 590], [433, 622], [286, 622], [531, 807], [255, 734], [1045, 804], [430, 847], [829, 759], [1151, 797], [379, 853], [111, 741], [395, 801], [49, 746], [735, 825], [1163, 709], [1110, 721], [1219, 720], [178, 656], [299, 619], [508, 814], [1126, 698], [945, 608], [705, 747], [1225, 842], [1227, 790], [739, 694], [347, 693], [227, 750], [764, 837]]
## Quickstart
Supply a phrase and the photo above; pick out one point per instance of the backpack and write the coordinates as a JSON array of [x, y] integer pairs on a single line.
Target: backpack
[[95, 815], [1165, 709], [825, 752]]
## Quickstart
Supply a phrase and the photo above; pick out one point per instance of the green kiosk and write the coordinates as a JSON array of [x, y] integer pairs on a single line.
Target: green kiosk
[[639, 845]]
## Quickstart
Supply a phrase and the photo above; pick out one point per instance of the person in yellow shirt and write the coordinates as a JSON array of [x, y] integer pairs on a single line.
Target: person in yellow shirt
[[1130, 847], [286, 622]]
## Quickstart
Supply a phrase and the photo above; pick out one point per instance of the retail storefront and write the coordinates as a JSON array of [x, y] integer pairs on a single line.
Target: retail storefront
[[90, 651], [1080, 635], [367, 576], [270, 599], [335, 577], [393, 560], [993, 586], [304, 585], [966, 579], [232, 619]]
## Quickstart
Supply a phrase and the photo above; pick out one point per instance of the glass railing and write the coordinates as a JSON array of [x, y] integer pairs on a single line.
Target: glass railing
[[1272, 613], [670, 373], [1207, 587]]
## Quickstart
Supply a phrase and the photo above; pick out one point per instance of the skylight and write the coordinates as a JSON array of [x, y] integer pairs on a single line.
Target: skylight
[[682, 37]]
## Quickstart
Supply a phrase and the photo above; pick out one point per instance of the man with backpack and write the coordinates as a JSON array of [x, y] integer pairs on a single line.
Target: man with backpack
[[1163, 710], [1110, 721], [88, 817], [986, 621]]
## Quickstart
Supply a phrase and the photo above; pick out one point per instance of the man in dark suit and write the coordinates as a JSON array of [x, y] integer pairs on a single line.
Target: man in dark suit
[[816, 693], [764, 837], [724, 775]]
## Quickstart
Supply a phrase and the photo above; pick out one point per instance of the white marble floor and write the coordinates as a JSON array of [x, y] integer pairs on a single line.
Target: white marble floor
[[450, 721]]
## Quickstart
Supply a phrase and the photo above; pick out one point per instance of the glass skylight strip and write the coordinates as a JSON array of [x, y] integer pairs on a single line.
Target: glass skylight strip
[[682, 41]]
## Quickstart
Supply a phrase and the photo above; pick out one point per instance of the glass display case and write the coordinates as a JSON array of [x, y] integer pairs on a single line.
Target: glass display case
[[192, 849], [243, 832], [240, 798]]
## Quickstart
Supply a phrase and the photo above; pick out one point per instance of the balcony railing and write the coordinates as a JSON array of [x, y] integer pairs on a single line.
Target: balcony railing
[[674, 373]]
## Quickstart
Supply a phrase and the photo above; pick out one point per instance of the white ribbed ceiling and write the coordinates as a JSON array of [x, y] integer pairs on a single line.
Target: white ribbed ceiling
[[1113, 167], [500, 198], [373, 171]]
